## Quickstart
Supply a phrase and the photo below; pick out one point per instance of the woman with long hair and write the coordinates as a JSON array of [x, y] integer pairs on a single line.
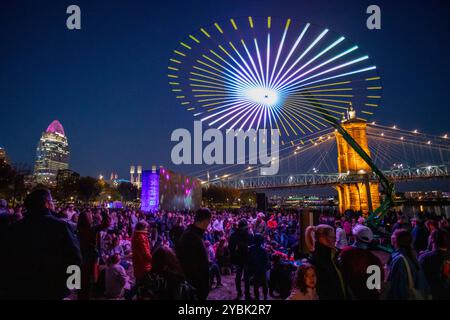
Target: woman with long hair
[[305, 281]]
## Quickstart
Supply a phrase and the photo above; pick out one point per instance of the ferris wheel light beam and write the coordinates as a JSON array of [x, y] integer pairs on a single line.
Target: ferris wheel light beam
[[312, 45], [280, 47], [248, 115], [330, 70], [227, 112], [333, 77], [267, 57], [248, 108], [312, 60], [233, 106], [300, 37], [252, 63], [237, 75], [252, 76], [259, 61]]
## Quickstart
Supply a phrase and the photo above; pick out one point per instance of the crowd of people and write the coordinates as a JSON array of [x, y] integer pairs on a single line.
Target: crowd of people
[[184, 255]]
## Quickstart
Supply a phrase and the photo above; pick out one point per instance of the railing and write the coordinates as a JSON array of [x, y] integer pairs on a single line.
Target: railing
[[329, 179]]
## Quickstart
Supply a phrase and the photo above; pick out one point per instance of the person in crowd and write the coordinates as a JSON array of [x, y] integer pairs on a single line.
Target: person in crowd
[[214, 270], [239, 244], [321, 240], [175, 234], [436, 265], [70, 211], [305, 282], [37, 252], [348, 228], [444, 224], [17, 215], [166, 280], [3, 207], [5, 217], [217, 227], [116, 278], [90, 244], [223, 256], [272, 224], [258, 264], [419, 234], [192, 253], [341, 237], [406, 279], [259, 225], [116, 248], [354, 263], [402, 223], [141, 251], [431, 226], [361, 221], [280, 277]]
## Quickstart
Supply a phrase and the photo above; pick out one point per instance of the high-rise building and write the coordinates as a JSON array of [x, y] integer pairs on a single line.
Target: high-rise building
[[52, 154], [3, 155]]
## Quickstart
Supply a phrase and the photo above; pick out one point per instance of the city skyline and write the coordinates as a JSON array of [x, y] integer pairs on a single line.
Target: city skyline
[[112, 95]]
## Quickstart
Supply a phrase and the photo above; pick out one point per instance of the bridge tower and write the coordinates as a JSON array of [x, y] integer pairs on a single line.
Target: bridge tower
[[357, 191]]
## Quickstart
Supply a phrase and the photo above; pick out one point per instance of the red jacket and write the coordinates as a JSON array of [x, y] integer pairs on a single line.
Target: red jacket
[[142, 257], [272, 224]]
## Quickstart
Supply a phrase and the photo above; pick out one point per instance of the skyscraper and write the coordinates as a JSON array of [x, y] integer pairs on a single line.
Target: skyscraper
[[52, 154], [3, 155]]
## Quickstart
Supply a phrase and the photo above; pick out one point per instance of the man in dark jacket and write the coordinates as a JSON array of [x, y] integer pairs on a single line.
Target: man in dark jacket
[[258, 265], [239, 250], [436, 264], [191, 252], [37, 253]]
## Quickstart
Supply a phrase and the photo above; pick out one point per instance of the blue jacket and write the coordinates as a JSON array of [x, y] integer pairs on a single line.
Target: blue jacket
[[398, 277]]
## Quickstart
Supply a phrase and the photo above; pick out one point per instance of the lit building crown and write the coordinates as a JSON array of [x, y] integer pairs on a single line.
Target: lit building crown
[[52, 154]]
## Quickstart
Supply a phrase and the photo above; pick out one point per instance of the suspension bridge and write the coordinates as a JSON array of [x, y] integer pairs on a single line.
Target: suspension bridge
[[402, 155], [329, 179]]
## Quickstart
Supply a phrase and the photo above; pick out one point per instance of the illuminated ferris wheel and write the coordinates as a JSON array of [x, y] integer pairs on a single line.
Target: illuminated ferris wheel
[[272, 73]]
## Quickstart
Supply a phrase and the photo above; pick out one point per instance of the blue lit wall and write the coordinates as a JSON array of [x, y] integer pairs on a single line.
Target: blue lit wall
[[150, 190]]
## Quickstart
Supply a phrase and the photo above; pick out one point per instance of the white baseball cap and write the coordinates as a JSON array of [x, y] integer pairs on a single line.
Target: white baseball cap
[[363, 233]]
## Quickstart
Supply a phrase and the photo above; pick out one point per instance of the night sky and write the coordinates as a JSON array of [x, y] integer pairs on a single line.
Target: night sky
[[107, 83]]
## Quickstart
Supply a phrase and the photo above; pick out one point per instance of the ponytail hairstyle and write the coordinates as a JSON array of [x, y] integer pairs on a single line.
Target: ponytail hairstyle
[[314, 233]]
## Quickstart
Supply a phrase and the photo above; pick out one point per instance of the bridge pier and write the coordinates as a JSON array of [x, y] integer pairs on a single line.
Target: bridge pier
[[356, 191]]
